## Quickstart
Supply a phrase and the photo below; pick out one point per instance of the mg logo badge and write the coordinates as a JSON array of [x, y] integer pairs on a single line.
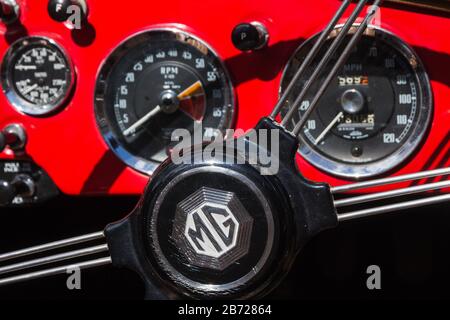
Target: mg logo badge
[[212, 229]]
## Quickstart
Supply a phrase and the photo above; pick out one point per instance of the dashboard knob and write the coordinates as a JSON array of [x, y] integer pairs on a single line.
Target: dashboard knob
[[2, 142], [9, 11], [250, 36], [63, 10], [14, 136], [7, 192], [22, 185]]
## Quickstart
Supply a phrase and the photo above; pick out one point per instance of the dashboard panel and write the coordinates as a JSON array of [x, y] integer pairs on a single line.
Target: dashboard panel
[[68, 143]]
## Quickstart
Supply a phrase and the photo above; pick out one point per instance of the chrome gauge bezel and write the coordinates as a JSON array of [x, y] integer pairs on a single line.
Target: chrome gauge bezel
[[9, 89], [137, 163], [367, 170]]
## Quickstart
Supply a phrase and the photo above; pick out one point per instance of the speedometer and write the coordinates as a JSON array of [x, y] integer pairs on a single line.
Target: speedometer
[[154, 83], [373, 115]]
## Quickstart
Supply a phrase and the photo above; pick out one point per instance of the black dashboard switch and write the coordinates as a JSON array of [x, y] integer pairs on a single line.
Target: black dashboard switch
[[60, 10], [22, 185], [250, 36], [9, 11], [57, 9], [7, 192], [2, 142]]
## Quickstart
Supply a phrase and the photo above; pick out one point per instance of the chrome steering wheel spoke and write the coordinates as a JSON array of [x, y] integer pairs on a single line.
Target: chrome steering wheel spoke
[[422, 190], [49, 254]]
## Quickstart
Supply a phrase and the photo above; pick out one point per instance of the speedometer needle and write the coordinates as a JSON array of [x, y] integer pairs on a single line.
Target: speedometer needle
[[328, 128], [183, 95]]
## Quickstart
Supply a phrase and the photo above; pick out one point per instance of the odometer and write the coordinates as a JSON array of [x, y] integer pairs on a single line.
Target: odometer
[[157, 82], [37, 75], [373, 115]]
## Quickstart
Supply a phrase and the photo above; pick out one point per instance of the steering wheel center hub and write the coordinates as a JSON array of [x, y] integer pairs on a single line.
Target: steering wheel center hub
[[211, 240]]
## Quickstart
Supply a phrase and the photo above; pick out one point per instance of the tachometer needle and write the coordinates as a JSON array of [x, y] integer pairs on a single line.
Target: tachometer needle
[[141, 121], [183, 95], [328, 128]]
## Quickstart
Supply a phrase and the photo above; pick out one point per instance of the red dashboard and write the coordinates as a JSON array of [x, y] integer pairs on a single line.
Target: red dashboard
[[68, 144]]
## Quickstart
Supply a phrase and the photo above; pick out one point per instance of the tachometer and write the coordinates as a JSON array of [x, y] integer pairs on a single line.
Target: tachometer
[[37, 75], [154, 83], [373, 115]]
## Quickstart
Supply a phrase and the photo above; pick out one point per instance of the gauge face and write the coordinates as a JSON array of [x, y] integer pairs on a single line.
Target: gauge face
[[157, 82], [374, 113], [37, 76]]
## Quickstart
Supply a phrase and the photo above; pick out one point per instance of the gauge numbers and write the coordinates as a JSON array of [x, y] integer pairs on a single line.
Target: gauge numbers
[[154, 83], [37, 76], [373, 115]]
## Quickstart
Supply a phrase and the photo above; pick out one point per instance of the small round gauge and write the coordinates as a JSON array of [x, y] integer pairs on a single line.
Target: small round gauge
[[37, 76], [154, 83], [372, 116]]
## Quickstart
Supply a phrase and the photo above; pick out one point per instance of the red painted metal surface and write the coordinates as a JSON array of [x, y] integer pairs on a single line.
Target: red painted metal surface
[[68, 144]]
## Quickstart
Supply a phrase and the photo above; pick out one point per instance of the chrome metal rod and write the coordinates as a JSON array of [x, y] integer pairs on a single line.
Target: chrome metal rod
[[394, 207], [51, 245], [55, 271], [391, 194], [53, 259], [342, 59], [315, 49], [388, 181], [324, 61]]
